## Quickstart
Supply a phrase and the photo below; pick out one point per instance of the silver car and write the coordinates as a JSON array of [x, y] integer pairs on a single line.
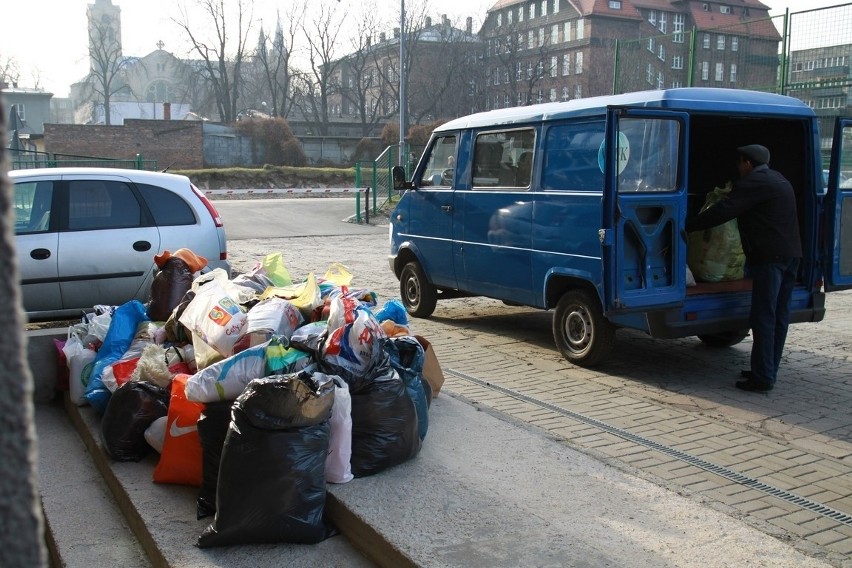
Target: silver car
[[88, 236]]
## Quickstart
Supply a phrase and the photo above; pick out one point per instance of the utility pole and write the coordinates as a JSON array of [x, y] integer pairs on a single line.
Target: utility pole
[[402, 84]]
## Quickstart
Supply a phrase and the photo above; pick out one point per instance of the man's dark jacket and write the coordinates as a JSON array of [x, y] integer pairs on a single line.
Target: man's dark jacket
[[764, 204]]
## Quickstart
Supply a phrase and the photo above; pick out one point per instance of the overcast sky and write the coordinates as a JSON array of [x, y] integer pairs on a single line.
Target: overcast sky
[[48, 38]]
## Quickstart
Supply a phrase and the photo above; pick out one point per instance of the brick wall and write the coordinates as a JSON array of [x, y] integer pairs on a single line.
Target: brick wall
[[174, 144]]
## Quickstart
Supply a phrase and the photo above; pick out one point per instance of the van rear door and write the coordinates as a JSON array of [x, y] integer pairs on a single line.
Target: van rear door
[[644, 208], [838, 210]]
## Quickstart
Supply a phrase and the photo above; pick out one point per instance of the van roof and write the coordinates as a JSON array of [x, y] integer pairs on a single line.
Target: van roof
[[724, 101]]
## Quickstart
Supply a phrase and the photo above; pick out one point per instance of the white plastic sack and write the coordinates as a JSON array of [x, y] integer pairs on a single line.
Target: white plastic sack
[[155, 434], [227, 379], [216, 317], [275, 315], [338, 467], [80, 365]]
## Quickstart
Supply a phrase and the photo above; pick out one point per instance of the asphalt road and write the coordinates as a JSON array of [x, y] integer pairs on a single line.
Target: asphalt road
[[290, 217]]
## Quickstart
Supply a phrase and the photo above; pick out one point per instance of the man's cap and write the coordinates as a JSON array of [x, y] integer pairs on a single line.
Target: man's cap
[[755, 153]]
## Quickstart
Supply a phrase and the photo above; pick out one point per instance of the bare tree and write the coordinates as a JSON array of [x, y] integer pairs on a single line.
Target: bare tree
[[275, 62], [319, 82], [10, 71], [107, 65], [223, 50]]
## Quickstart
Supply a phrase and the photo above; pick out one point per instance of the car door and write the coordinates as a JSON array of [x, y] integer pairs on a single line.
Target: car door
[[37, 243], [107, 246], [644, 209], [838, 273]]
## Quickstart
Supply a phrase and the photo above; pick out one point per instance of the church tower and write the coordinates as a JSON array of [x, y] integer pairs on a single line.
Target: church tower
[[104, 31]]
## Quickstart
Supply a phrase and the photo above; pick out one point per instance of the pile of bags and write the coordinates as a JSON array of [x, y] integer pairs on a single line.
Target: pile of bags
[[257, 390]]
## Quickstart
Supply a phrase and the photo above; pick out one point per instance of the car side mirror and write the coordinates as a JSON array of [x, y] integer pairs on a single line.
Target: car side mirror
[[398, 175]]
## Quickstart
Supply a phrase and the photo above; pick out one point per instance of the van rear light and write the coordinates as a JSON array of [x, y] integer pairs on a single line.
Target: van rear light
[[223, 255], [210, 209]]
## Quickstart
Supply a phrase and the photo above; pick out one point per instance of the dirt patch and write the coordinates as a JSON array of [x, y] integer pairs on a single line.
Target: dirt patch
[[271, 178]]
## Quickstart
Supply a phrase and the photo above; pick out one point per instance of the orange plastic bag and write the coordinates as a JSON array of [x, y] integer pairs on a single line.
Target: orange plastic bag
[[180, 461]]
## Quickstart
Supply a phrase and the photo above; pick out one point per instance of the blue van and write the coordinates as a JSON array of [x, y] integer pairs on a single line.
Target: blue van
[[580, 206]]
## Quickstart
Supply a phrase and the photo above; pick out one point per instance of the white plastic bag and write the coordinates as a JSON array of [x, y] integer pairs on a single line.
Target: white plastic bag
[[79, 369], [338, 468], [216, 317]]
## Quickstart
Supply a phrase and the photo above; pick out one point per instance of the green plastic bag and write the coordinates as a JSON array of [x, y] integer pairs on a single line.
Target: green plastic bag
[[716, 254]]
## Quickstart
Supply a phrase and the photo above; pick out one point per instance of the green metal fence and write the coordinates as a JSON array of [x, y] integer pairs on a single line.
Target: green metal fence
[[376, 175], [27, 159]]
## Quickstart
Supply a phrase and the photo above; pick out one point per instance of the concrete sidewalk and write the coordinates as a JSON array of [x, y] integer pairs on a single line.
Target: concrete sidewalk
[[484, 491]]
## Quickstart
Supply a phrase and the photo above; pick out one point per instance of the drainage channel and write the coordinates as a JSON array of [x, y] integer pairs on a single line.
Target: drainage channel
[[750, 482]]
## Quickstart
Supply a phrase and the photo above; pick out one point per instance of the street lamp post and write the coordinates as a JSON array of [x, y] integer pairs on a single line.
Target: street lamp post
[[402, 83]]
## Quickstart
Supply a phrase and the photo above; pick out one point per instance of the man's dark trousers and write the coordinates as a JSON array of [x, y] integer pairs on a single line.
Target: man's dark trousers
[[772, 294]]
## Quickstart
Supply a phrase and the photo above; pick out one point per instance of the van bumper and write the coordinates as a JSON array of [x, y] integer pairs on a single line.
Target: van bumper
[[672, 324]]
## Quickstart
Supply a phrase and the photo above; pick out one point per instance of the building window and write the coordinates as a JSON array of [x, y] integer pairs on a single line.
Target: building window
[[554, 66], [720, 72], [552, 95], [678, 23], [663, 22], [661, 81], [676, 84], [544, 7], [651, 44], [540, 69], [705, 7], [720, 42], [650, 74], [706, 41], [507, 101], [521, 14], [555, 6], [578, 63], [530, 39], [566, 64], [652, 17], [733, 73], [581, 25], [677, 62], [735, 43], [21, 109], [578, 91], [541, 37], [661, 52], [565, 95], [529, 70], [499, 19], [509, 15], [520, 99], [532, 11], [520, 72], [725, 9], [705, 71], [506, 75], [615, 4], [554, 34], [566, 31]]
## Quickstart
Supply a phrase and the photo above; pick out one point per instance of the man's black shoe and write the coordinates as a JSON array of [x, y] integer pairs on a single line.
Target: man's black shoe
[[752, 385], [747, 374]]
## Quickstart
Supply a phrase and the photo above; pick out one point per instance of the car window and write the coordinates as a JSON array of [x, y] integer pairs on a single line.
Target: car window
[[102, 204], [167, 207], [571, 157], [32, 206]]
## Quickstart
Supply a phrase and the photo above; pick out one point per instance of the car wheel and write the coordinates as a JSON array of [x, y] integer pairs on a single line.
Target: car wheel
[[581, 332], [724, 338], [418, 296]]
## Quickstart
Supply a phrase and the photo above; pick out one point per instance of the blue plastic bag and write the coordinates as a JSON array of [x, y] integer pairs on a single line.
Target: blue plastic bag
[[393, 310], [119, 336]]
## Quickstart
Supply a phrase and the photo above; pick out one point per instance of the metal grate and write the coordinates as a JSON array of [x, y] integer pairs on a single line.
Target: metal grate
[[819, 508]]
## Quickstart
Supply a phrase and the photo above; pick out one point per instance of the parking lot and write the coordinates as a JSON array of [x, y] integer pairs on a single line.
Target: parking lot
[[665, 410]]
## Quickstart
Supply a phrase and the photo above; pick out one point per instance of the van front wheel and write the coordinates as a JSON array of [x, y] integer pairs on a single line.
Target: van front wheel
[[418, 296], [581, 332]]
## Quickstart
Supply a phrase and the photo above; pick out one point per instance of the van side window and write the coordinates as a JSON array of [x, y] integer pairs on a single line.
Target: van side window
[[503, 159], [648, 158], [441, 164], [571, 157]]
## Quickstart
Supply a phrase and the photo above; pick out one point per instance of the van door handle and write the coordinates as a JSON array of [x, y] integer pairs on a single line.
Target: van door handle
[[446, 208], [40, 254], [141, 246]]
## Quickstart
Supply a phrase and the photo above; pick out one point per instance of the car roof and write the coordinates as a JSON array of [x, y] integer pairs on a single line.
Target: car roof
[[142, 176], [709, 100]]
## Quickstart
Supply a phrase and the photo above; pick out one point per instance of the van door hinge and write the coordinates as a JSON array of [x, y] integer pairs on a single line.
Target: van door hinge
[[605, 236]]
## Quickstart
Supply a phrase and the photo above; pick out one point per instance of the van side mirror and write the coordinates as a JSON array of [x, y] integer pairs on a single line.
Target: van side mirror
[[398, 175]]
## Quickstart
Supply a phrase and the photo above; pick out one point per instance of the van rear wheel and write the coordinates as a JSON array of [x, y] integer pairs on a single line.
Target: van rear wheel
[[418, 296], [723, 338], [581, 332]]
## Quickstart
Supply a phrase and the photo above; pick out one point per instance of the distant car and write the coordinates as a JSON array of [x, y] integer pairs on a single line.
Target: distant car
[[88, 236]]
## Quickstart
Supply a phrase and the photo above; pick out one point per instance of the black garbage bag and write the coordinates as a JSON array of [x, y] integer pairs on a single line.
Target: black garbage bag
[[406, 356], [271, 485], [212, 430], [130, 410], [170, 285], [384, 424]]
